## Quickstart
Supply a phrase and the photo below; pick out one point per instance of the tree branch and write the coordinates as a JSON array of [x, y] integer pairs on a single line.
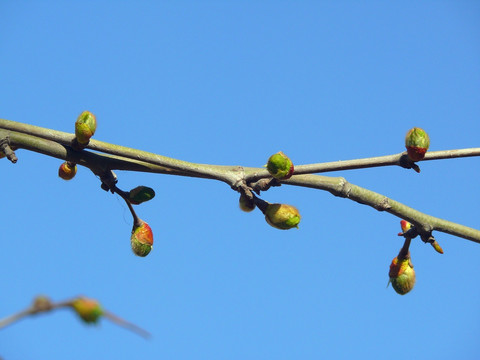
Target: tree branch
[[57, 144], [425, 223]]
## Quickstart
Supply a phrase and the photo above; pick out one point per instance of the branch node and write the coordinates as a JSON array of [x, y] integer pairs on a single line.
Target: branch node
[[109, 181], [344, 188], [406, 163], [383, 205], [264, 184]]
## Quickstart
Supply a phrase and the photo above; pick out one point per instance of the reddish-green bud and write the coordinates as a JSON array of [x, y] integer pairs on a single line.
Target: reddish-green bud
[[402, 275], [141, 239], [282, 216], [67, 170], [417, 143], [140, 194], [245, 203], [405, 225], [280, 166], [88, 310], [85, 127]]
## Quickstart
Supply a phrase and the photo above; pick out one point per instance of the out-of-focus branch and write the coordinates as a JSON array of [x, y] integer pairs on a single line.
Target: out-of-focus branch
[[89, 311]]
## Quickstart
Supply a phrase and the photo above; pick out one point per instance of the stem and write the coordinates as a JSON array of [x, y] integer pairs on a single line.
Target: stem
[[404, 253], [136, 220]]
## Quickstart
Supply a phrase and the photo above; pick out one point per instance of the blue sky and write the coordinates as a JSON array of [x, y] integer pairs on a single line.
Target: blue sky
[[232, 83]]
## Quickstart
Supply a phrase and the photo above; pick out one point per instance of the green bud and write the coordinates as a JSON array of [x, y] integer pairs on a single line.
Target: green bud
[[280, 166], [282, 216], [141, 239], [402, 275], [67, 170], [140, 194], [245, 203], [85, 127], [88, 310], [417, 143]]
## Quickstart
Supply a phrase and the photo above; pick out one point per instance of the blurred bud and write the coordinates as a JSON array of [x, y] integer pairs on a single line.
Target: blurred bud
[[140, 194], [282, 216], [402, 275], [245, 203], [89, 310], [67, 170], [417, 143], [41, 303], [85, 127], [280, 166], [142, 239]]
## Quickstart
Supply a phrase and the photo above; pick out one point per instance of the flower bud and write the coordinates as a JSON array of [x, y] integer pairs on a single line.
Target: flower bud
[[402, 275], [140, 194], [417, 143], [141, 239], [245, 203], [282, 216], [85, 127], [405, 225], [280, 166], [89, 310], [67, 170]]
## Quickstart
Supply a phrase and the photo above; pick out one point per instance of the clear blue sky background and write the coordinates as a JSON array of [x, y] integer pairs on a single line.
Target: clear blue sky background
[[231, 83]]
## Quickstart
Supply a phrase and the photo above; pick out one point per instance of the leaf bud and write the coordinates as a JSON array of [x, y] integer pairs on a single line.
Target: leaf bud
[[85, 127], [245, 203], [402, 274], [67, 170], [88, 310], [140, 194], [282, 216], [417, 143], [280, 166], [141, 239], [437, 247]]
